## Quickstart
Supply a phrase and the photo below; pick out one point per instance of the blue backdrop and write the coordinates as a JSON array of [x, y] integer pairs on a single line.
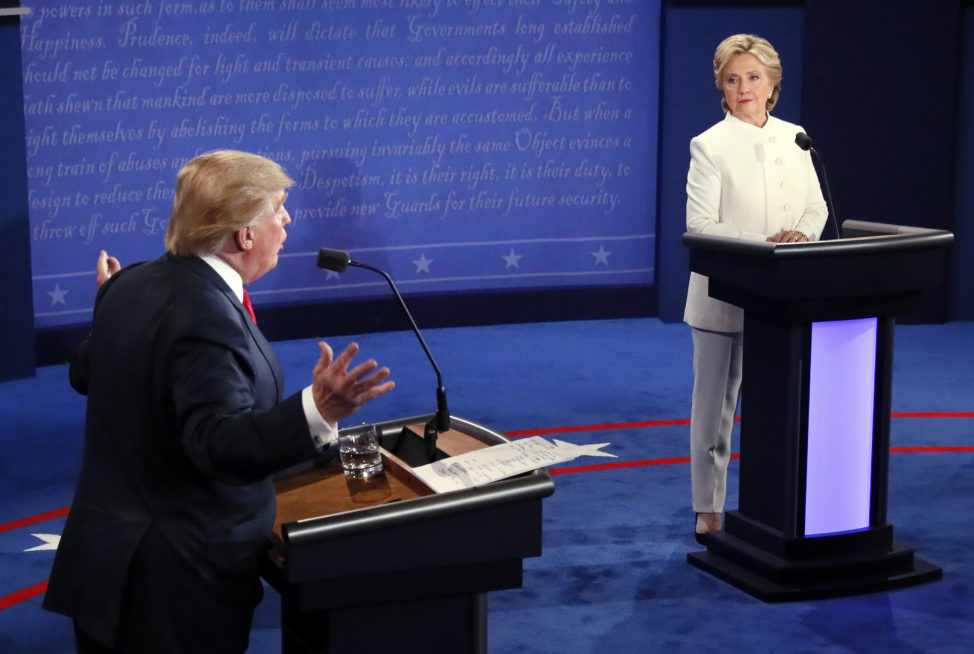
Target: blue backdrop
[[459, 144]]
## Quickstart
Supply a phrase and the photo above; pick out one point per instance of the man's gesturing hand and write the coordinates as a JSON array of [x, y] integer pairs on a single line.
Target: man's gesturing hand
[[338, 391], [105, 267]]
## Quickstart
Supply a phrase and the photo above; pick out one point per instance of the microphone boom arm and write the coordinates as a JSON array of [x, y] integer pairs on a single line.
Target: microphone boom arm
[[402, 303], [804, 141], [338, 260]]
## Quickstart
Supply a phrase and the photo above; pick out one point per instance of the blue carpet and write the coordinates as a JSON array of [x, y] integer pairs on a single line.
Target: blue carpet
[[613, 576]]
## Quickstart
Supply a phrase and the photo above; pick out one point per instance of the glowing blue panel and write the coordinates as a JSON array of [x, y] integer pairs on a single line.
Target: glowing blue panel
[[841, 398]]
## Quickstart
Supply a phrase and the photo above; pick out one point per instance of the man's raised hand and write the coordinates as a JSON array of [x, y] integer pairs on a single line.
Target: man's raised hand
[[339, 392]]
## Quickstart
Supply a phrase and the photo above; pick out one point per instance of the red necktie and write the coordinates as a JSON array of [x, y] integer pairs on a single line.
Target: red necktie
[[249, 307]]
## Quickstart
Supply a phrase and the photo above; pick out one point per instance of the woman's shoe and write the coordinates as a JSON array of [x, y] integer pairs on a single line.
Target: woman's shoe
[[707, 522]]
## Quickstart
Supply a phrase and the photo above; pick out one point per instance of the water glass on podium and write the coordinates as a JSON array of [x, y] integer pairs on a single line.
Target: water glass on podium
[[358, 448]]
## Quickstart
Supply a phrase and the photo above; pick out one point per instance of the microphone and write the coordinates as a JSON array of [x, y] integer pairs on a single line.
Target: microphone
[[338, 261], [804, 141]]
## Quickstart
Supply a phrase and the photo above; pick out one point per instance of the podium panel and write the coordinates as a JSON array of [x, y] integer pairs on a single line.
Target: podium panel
[[816, 400], [372, 565], [841, 404]]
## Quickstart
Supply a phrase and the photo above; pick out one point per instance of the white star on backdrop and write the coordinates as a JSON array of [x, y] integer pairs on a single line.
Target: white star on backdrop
[[601, 256], [51, 541], [57, 295], [331, 274], [422, 264], [512, 260]]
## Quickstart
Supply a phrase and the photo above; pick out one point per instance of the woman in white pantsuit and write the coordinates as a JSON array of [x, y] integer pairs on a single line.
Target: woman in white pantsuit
[[747, 179]]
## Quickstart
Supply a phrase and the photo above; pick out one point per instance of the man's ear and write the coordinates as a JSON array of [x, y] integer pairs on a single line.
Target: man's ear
[[243, 238]]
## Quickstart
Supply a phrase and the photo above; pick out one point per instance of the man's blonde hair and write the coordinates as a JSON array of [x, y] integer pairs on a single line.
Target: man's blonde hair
[[753, 45], [218, 193]]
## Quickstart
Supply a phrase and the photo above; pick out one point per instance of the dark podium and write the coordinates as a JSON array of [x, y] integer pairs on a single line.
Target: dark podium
[[816, 395], [388, 565]]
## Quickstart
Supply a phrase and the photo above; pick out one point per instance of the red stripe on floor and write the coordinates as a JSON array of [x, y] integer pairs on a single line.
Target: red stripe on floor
[[685, 459], [934, 414], [686, 421], [616, 465], [22, 595], [40, 517], [615, 425], [949, 448]]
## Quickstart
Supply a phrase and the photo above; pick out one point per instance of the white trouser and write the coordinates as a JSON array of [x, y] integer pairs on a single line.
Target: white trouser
[[716, 392]]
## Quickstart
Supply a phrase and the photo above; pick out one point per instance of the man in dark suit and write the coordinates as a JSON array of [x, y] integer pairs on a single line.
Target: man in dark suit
[[186, 424]]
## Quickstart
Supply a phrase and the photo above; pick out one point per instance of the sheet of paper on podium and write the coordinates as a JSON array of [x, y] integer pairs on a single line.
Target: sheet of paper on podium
[[501, 461]]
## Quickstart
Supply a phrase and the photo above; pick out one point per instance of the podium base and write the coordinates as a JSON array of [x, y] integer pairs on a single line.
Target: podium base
[[445, 624], [802, 569]]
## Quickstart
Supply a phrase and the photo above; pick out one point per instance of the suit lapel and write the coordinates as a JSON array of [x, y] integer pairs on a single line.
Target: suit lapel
[[203, 269], [265, 348]]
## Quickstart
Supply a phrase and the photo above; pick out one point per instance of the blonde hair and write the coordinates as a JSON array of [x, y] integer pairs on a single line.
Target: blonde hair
[[753, 45], [218, 193]]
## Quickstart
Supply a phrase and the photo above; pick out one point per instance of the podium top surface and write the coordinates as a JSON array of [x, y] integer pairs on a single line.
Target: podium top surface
[[321, 503], [864, 238], [878, 269]]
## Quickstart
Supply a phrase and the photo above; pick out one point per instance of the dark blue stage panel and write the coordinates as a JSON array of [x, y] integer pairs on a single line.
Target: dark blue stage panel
[[459, 144]]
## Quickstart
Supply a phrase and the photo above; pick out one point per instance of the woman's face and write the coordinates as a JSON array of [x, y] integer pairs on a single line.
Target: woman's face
[[747, 85]]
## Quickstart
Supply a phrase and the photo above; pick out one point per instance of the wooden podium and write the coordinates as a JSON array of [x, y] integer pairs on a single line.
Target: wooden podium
[[371, 566], [816, 397]]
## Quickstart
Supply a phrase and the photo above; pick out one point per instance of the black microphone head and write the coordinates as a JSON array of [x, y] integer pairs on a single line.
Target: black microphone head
[[336, 260], [803, 140]]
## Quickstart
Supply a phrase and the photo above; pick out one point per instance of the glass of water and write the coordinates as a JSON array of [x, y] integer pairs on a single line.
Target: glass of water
[[358, 448]]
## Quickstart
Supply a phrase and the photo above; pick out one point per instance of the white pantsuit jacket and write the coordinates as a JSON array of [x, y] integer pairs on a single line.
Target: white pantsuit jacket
[[747, 182]]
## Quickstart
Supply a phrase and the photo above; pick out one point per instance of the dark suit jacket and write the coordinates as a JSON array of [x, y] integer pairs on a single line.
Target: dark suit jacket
[[185, 425]]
